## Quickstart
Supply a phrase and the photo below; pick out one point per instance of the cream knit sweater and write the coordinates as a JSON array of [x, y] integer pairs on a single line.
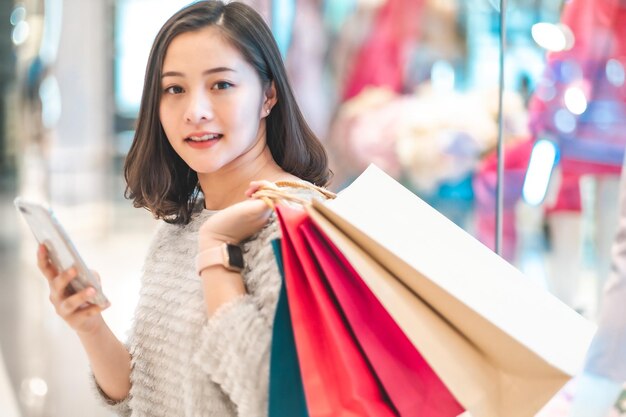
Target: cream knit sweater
[[184, 364]]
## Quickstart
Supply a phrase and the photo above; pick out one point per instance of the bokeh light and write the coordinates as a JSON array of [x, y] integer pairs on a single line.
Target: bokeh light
[[537, 179], [18, 15], [564, 121], [615, 72], [442, 76], [20, 32], [553, 37], [575, 100], [546, 91]]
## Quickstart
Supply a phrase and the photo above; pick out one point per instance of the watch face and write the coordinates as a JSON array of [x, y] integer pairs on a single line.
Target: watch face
[[235, 256]]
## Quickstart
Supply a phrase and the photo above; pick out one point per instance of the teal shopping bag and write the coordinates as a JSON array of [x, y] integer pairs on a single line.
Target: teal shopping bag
[[286, 391]]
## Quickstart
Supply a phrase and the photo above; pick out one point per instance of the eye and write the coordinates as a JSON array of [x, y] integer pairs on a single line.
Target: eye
[[221, 85], [174, 89]]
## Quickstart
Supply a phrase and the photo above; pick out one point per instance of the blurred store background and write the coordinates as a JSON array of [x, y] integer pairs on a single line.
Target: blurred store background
[[411, 85]]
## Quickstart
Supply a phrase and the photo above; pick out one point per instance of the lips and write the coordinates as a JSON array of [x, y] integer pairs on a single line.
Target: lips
[[203, 137], [203, 140]]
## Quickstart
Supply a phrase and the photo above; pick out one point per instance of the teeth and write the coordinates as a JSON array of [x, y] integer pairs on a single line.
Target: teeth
[[204, 137]]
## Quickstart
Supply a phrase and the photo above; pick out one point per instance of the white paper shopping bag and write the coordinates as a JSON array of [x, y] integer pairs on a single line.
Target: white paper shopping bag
[[501, 344]]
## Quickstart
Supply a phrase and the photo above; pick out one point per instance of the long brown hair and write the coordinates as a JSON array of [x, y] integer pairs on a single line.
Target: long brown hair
[[157, 178]]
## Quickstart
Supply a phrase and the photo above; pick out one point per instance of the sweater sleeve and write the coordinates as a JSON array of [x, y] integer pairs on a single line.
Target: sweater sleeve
[[234, 349], [235, 354], [120, 408]]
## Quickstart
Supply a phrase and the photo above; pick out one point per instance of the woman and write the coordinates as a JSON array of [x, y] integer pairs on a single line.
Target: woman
[[217, 114]]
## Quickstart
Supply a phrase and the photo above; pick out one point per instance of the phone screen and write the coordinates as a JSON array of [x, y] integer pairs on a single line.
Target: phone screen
[[63, 254], [45, 232]]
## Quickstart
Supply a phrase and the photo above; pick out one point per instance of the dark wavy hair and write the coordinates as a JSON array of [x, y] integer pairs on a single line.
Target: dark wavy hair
[[156, 177]]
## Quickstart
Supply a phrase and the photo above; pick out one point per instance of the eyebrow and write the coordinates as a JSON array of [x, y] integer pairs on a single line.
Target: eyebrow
[[205, 72]]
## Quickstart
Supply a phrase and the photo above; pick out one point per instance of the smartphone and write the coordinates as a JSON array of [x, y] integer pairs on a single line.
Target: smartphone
[[63, 254]]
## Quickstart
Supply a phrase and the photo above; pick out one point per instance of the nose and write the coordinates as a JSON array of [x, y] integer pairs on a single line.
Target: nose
[[198, 109]]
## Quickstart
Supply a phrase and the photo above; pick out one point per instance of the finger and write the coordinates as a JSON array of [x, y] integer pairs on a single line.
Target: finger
[[58, 284], [68, 306], [256, 185], [44, 264]]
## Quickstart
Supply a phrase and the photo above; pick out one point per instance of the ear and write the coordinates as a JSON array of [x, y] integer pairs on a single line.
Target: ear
[[270, 99]]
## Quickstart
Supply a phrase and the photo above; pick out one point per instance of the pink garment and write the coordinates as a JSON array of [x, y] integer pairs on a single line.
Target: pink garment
[[596, 144], [516, 157], [568, 197], [382, 58], [599, 29]]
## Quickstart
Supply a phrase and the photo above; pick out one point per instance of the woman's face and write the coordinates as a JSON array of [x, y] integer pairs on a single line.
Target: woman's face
[[213, 104]]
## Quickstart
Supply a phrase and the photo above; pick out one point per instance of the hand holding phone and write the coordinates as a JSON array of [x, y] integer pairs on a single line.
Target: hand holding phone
[[63, 255]]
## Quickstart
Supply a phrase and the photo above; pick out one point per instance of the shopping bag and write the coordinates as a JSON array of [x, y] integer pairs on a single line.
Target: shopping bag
[[336, 377], [412, 386], [286, 394], [502, 345]]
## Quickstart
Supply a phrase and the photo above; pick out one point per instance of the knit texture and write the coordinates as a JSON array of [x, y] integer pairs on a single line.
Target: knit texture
[[184, 364]]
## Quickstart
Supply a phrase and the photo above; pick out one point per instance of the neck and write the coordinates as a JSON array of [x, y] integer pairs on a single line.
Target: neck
[[227, 186]]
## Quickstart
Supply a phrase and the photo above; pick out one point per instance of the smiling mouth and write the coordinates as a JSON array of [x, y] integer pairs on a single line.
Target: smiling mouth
[[204, 138]]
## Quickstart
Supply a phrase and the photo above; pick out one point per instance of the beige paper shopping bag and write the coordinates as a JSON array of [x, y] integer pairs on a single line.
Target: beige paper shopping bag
[[501, 344]]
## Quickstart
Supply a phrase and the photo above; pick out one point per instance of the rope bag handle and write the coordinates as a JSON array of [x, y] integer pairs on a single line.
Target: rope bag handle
[[273, 193]]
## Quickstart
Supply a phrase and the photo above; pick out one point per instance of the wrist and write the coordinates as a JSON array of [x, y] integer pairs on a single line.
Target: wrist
[[93, 330], [223, 255], [209, 242]]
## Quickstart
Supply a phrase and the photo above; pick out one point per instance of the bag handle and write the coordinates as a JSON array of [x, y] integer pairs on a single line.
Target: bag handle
[[271, 193]]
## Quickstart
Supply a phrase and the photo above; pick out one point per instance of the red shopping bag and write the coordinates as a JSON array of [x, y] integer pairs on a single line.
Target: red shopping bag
[[474, 332], [337, 379], [411, 384]]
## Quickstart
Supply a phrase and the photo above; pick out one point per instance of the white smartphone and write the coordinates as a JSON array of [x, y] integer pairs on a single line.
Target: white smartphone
[[63, 254]]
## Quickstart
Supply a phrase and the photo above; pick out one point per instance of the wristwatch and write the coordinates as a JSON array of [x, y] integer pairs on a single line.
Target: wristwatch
[[227, 255]]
